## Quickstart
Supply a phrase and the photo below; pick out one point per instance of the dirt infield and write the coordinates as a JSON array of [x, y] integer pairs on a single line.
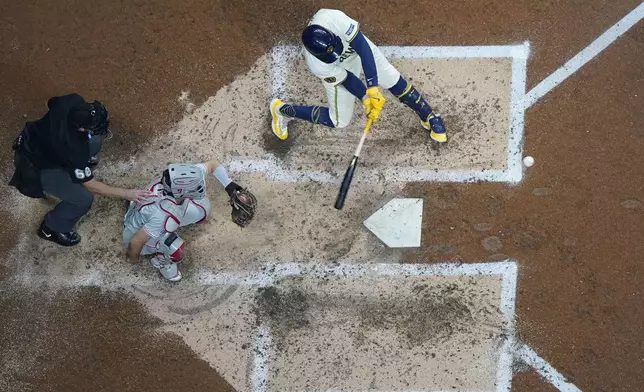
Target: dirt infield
[[89, 340], [574, 224], [333, 333]]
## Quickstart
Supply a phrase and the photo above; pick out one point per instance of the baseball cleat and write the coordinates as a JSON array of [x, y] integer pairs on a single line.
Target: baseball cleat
[[167, 269], [436, 128], [280, 121]]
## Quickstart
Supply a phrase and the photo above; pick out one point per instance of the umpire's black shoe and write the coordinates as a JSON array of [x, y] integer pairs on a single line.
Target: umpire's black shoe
[[70, 238], [93, 161]]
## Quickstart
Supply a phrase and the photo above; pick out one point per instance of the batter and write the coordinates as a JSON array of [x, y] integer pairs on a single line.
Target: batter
[[338, 53]]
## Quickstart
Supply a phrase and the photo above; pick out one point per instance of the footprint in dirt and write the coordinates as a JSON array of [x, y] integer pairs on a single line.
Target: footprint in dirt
[[276, 146]]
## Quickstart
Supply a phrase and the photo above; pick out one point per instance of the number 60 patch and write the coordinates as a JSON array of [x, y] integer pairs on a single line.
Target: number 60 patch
[[81, 174]]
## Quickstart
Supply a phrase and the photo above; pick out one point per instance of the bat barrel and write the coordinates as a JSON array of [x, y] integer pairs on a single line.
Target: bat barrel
[[346, 183], [348, 176]]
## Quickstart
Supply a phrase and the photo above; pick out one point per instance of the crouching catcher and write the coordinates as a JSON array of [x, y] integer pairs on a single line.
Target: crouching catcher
[[179, 199]]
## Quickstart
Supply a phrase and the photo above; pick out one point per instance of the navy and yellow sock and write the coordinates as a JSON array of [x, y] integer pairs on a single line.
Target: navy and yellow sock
[[314, 114], [408, 95]]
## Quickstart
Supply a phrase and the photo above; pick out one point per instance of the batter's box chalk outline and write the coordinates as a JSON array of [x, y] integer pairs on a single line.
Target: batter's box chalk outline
[[282, 55], [263, 350], [509, 351], [268, 274]]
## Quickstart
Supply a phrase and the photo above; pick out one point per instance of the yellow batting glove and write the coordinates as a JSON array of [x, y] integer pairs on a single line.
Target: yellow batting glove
[[366, 102], [376, 101]]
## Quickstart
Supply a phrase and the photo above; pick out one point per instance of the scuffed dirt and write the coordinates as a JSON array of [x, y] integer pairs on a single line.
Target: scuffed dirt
[[328, 331], [472, 94], [286, 310], [435, 314]]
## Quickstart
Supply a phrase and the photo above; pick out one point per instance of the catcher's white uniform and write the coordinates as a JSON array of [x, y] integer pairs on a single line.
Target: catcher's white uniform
[[161, 216], [179, 199], [341, 101]]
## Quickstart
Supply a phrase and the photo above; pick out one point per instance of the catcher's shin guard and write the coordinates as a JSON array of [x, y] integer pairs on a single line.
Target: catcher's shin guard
[[172, 247]]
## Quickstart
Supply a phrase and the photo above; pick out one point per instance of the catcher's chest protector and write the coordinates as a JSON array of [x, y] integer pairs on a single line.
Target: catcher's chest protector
[[161, 208], [188, 212]]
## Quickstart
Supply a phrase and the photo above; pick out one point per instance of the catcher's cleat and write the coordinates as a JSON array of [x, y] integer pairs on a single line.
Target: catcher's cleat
[[436, 128], [168, 269], [280, 121]]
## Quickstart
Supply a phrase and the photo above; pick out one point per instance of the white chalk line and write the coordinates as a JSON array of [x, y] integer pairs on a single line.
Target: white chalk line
[[281, 56], [507, 307], [272, 169], [517, 117], [397, 390], [123, 279], [530, 357], [269, 273], [583, 57], [281, 59], [259, 377], [484, 51], [507, 270], [283, 270], [281, 53]]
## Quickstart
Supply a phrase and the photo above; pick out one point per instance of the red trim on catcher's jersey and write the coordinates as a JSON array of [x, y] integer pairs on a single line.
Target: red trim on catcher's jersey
[[145, 205], [170, 213], [205, 214], [165, 223]]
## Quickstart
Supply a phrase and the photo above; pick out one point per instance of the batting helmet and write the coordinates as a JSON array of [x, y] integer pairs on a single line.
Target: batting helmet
[[322, 43]]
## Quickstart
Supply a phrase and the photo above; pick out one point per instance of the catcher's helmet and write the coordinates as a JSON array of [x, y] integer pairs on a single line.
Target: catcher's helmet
[[92, 116], [322, 43], [181, 180]]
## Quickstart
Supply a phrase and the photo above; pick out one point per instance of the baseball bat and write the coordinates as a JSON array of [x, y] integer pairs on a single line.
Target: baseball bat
[[348, 176]]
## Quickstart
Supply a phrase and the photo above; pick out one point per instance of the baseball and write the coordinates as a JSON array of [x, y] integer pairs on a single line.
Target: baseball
[[528, 161]]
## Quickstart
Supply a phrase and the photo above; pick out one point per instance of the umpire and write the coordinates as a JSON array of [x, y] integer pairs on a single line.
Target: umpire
[[55, 156]]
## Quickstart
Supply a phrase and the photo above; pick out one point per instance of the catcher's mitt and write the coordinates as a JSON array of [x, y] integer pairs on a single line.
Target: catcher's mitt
[[244, 204]]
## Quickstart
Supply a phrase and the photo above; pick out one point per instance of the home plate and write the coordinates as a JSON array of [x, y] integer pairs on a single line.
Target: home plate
[[398, 223], [380, 333]]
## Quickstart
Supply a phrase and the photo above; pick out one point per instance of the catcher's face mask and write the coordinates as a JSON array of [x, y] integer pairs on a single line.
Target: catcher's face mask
[[184, 181]]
